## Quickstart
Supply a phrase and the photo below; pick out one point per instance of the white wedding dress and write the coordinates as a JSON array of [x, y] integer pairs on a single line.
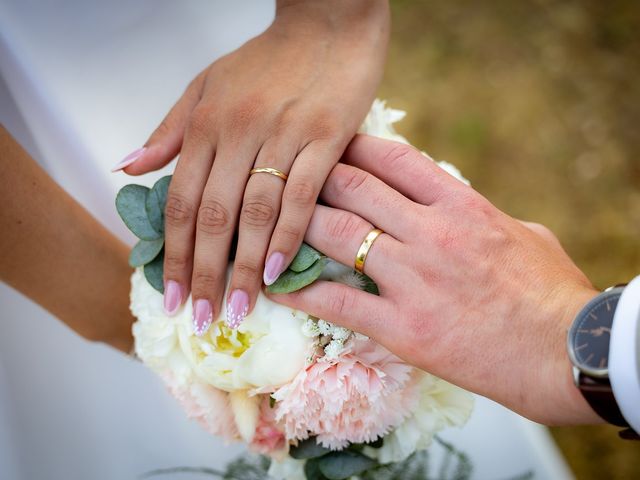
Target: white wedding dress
[[82, 84]]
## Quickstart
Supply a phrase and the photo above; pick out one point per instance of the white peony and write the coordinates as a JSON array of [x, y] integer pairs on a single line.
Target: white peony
[[267, 350]]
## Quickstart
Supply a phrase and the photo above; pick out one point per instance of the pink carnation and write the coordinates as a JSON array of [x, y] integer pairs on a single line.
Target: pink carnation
[[206, 404], [358, 397], [269, 437]]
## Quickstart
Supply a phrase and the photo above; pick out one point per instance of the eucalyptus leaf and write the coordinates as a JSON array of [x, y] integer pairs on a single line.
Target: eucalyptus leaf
[[312, 470], [308, 448], [155, 203], [291, 281], [145, 251], [130, 203], [369, 285], [344, 464], [305, 257], [153, 272]]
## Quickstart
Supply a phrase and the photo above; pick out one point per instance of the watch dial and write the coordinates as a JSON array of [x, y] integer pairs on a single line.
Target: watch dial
[[592, 333]]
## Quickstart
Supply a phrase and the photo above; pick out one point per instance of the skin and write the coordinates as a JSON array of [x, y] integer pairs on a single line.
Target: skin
[[58, 255], [467, 292], [291, 99]]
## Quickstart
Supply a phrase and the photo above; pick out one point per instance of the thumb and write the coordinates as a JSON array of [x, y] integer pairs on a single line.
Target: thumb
[[165, 142]]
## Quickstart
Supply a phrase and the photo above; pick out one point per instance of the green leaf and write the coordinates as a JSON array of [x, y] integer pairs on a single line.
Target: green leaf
[[155, 203], [130, 203], [145, 251], [308, 448], [291, 281], [369, 285], [312, 470], [344, 464], [153, 272], [305, 257]]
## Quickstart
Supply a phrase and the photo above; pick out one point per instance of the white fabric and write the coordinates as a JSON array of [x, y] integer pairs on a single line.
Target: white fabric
[[90, 81], [624, 354]]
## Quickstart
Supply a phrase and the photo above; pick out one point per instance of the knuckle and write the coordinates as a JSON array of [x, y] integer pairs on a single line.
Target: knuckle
[[341, 303], [244, 112], [165, 128], [343, 226], [201, 123], [350, 180], [290, 236], [246, 269], [301, 192], [175, 262], [401, 156], [204, 281], [257, 212], [213, 218], [178, 210]]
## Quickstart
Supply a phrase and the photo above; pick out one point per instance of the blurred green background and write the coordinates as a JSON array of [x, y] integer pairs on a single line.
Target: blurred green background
[[538, 103]]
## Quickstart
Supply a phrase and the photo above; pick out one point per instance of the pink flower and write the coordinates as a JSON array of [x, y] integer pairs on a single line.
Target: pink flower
[[357, 397], [269, 438], [206, 404]]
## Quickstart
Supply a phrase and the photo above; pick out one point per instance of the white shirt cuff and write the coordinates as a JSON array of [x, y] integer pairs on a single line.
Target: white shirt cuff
[[624, 354]]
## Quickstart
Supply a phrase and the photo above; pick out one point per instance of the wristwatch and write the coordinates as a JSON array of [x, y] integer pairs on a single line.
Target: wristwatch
[[588, 347]]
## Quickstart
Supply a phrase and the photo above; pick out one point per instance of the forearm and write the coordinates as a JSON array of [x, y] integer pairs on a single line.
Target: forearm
[[57, 254], [368, 20]]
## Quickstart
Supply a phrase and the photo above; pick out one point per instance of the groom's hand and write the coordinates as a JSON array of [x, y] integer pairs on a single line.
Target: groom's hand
[[466, 292]]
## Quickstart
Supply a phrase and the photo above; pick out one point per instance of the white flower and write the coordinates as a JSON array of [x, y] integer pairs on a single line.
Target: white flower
[[287, 469], [441, 405], [379, 122], [267, 350]]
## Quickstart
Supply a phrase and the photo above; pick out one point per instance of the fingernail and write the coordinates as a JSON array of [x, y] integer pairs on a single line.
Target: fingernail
[[237, 308], [273, 268], [202, 317], [129, 159], [172, 297]]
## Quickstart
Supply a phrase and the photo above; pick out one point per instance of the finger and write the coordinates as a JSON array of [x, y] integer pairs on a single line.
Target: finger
[[308, 174], [217, 220], [183, 200], [260, 209], [165, 142], [352, 189], [339, 234], [345, 306], [402, 167]]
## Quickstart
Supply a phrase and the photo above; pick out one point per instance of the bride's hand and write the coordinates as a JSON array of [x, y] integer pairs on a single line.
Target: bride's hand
[[466, 292], [290, 99]]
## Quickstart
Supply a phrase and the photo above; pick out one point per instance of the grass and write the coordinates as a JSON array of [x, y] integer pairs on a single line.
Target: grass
[[538, 103]]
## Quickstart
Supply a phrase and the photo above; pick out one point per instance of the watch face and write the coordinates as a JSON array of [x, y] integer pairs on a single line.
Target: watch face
[[591, 332]]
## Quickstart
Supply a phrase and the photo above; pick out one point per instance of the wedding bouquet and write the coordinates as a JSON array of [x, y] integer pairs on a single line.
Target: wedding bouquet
[[321, 401]]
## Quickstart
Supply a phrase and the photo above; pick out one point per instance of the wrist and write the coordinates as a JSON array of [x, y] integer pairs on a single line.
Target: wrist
[[560, 402], [575, 408], [333, 15]]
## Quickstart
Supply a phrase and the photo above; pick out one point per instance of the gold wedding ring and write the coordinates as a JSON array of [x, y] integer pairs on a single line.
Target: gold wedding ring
[[363, 251], [270, 171]]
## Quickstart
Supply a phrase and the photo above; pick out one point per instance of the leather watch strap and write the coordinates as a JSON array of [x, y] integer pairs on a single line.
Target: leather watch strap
[[600, 397]]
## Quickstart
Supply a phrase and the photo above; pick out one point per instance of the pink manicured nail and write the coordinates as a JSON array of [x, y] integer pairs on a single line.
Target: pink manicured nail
[[273, 268], [172, 297], [237, 308], [129, 159], [202, 317]]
